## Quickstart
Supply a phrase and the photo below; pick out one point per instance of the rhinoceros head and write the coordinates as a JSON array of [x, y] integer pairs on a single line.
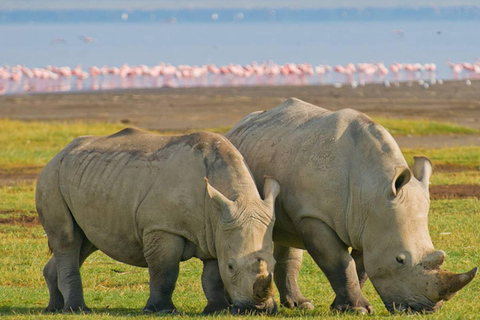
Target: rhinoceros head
[[244, 248], [399, 255]]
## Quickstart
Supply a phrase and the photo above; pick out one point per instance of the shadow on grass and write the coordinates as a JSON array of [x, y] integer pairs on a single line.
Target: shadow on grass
[[7, 310], [134, 312], [123, 312]]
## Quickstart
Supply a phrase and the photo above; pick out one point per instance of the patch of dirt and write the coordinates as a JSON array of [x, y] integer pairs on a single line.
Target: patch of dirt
[[19, 174], [8, 179], [454, 192], [24, 221], [451, 168]]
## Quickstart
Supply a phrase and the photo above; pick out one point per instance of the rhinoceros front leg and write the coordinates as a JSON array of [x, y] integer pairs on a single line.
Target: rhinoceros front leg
[[213, 288], [289, 262], [163, 252], [332, 256]]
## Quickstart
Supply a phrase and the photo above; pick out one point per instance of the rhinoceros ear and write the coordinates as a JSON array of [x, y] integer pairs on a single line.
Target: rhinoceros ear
[[271, 189], [217, 197], [401, 178], [422, 170]]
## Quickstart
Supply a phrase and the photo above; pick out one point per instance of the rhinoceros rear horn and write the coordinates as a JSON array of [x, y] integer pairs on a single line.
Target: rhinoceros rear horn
[[451, 283], [434, 260]]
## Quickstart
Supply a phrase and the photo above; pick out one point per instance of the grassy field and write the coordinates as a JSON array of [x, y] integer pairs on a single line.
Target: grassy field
[[115, 290], [401, 127], [28, 146]]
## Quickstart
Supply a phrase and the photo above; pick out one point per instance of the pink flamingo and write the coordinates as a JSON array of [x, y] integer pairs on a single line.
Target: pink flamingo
[[15, 79], [456, 69]]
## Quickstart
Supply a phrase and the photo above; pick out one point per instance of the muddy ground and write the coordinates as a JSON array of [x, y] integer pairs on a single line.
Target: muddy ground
[[196, 108]]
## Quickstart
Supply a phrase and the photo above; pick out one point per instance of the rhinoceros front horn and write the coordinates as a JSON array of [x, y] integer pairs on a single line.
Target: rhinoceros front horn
[[451, 283], [263, 288]]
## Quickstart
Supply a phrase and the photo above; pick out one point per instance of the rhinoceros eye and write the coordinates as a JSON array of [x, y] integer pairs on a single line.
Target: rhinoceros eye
[[401, 258]]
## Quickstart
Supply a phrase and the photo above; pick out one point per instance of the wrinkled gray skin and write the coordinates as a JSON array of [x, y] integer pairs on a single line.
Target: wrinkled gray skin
[[142, 199], [345, 184]]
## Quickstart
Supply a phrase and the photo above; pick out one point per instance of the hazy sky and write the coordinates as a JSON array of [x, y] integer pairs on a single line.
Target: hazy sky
[[242, 4]]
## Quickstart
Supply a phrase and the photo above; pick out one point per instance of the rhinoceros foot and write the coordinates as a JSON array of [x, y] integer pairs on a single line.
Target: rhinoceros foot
[[157, 310], [216, 307], [361, 306], [55, 304], [305, 305], [49, 310], [302, 304], [79, 310]]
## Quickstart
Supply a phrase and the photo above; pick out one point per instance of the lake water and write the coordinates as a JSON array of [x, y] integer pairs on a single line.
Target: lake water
[[113, 44]]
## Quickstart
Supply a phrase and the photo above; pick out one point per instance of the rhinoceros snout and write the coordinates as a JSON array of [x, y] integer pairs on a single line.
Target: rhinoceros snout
[[267, 307], [414, 307]]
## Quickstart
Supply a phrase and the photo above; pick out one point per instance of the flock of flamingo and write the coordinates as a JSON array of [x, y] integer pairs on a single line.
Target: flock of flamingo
[[18, 79]]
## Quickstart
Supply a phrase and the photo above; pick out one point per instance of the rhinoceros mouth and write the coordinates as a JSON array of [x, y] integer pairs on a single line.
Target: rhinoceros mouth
[[414, 307]]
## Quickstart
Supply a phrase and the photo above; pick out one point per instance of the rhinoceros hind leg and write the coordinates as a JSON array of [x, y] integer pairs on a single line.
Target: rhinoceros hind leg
[[289, 261], [68, 257], [163, 252], [56, 303], [213, 288], [332, 256]]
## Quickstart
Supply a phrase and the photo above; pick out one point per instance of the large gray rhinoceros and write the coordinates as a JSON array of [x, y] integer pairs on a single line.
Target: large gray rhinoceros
[[345, 184], [142, 199]]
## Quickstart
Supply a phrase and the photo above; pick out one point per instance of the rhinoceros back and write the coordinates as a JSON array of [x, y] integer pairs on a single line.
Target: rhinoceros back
[[119, 187]]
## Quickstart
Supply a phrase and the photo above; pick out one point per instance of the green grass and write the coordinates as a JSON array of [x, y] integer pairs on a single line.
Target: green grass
[[116, 291], [455, 178], [463, 164], [414, 127], [398, 127], [33, 144], [468, 156], [17, 200], [28, 146]]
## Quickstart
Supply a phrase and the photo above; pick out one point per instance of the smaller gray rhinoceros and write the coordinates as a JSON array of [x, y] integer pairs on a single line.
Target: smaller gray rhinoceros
[[147, 200], [345, 184]]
